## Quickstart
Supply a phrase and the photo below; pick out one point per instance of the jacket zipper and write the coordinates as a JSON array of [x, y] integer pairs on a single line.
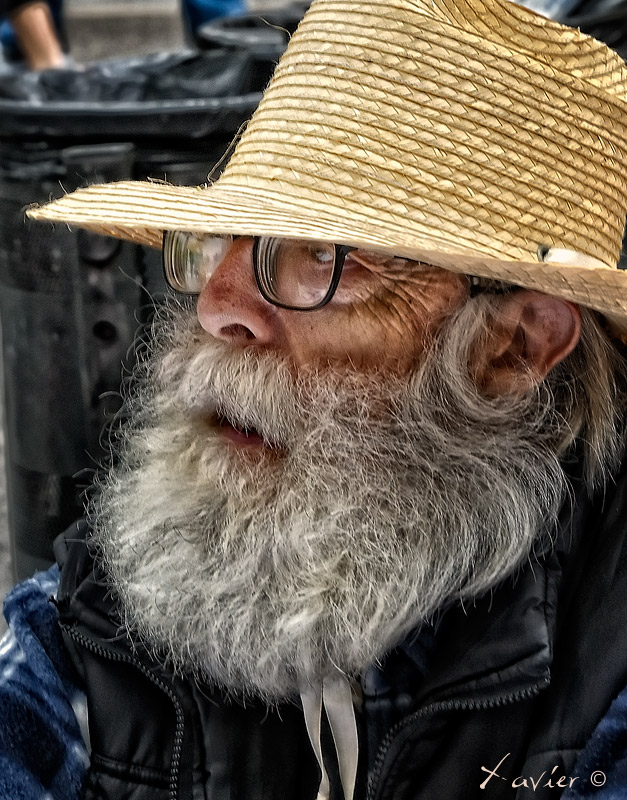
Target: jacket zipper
[[177, 748], [443, 705]]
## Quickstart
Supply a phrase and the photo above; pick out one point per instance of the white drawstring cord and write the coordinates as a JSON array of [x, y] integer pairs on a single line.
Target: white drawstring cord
[[335, 695]]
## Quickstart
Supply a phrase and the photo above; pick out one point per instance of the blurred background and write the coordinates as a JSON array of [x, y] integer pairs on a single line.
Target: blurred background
[[99, 30], [147, 88]]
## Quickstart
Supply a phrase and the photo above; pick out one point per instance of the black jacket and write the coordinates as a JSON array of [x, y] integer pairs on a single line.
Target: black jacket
[[520, 679]]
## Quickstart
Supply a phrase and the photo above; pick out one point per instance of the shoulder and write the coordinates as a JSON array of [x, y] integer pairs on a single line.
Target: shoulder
[[600, 634], [602, 767], [41, 748]]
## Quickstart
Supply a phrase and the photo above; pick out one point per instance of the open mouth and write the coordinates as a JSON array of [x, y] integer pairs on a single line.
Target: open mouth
[[240, 435]]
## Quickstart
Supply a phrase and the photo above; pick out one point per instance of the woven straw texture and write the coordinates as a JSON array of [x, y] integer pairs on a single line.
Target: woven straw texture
[[464, 132]]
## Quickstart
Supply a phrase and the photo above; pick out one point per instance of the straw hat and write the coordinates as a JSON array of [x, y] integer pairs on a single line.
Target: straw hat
[[472, 134]]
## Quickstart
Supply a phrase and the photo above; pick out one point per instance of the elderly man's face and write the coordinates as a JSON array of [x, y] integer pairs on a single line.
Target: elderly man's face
[[381, 315], [389, 487]]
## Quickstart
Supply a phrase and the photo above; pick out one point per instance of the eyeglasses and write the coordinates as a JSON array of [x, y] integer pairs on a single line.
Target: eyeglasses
[[290, 273]]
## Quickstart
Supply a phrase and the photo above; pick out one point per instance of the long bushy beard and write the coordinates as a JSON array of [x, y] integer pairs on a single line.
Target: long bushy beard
[[381, 501]]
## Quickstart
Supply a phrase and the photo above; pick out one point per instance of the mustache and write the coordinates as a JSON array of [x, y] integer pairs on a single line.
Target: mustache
[[198, 376], [251, 391], [258, 390]]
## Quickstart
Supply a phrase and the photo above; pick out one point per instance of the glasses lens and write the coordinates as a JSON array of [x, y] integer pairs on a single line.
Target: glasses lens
[[295, 273], [190, 259]]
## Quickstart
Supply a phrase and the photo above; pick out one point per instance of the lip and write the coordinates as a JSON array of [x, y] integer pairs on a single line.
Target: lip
[[240, 438]]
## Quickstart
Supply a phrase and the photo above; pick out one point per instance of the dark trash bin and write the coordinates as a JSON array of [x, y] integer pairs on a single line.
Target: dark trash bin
[[264, 35], [70, 301]]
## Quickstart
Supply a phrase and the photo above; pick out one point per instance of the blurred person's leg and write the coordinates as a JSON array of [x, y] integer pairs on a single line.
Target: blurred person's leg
[[10, 47], [37, 36]]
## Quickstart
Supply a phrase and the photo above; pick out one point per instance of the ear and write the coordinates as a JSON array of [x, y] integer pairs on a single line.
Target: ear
[[532, 333]]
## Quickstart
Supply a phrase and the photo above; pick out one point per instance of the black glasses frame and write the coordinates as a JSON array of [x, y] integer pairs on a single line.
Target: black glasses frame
[[340, 253]]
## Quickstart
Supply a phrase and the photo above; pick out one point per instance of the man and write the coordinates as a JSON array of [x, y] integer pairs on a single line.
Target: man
[[365, 533]]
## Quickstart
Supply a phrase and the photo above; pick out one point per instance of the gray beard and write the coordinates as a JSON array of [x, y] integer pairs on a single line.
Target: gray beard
[[381, 502]]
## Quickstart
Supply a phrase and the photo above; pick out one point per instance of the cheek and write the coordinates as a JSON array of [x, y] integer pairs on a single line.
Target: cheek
[[409, 312], [387, 328]]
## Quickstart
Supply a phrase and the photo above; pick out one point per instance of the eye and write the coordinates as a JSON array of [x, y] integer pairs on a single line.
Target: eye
[[320, 253]]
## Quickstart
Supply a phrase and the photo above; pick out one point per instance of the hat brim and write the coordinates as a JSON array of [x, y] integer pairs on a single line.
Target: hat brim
[[140, 211]]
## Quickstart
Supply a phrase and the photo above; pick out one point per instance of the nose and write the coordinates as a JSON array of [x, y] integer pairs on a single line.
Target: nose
[[230, 306]]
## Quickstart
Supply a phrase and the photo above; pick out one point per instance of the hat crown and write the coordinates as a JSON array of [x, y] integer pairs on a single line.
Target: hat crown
[[519, 30], [476, 127]]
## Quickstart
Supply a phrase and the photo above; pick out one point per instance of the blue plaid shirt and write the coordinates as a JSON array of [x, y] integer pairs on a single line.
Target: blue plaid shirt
[[43, 754]]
